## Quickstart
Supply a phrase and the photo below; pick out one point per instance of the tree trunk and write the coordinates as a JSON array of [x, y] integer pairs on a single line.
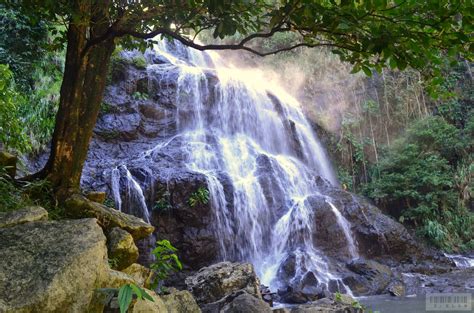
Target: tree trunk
[[82, 88]]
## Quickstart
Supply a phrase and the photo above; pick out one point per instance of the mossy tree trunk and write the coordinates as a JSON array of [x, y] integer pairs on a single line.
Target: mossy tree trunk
[[80, 96]]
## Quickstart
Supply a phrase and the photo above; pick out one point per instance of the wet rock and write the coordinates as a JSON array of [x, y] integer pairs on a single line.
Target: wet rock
[[180, 301], [121, 248], [188, 228], [328, 233], [296, 287], [455, 281], [396, 289], [246, 303], [8, 161], [50, 266], [219, 305], [287, 269], [325, 305], [217, 281], [80, 207], [376, 234], [124, 127], [26, 215], [336, 285], [371, 278], [290, 295]]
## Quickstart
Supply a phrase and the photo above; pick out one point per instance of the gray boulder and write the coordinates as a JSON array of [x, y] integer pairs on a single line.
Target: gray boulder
[[26, 215], [217, 281], [369, 277], [51, 266], [246, 303]]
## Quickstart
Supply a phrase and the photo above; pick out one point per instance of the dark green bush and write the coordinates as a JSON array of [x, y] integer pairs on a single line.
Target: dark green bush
[[417, 182]]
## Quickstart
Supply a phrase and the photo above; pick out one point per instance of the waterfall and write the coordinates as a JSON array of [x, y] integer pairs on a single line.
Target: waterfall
[[236, 123], [342, 221], [121, 176]]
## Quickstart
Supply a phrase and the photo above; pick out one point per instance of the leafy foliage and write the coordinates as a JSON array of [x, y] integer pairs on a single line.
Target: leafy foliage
[[12, 133], [126, 293], [417, 175], [137, 95], [139, 62], [37, 74], [166, 261], [22, 45], [17, 195], [199, 197]]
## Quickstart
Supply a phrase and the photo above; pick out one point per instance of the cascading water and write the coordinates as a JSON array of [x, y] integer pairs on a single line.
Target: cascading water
[[133, 192], [235, 123]]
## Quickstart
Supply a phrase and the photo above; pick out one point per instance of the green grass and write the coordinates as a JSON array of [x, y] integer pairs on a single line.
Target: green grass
[[15, 196]]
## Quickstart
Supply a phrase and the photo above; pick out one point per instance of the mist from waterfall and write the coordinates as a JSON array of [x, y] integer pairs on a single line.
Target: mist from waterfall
[[236, 124]]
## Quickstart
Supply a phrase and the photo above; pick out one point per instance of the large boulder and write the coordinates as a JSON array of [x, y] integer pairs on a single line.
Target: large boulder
[[50, 266], [369, 277], [180, 301], [81, 207], [237, 302], [25, 215], [121, 248], [217, 281], [190, 229], [246, 303], [377, 235]]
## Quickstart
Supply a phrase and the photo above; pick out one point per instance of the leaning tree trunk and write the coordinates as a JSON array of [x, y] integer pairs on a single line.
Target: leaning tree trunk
[[80, 98]]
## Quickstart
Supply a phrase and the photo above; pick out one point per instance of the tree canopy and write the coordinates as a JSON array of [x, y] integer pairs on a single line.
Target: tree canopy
[[367, 33], [370, 34]]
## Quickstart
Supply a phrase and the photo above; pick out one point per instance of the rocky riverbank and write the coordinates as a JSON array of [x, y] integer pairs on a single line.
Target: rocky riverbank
[[62, 266]]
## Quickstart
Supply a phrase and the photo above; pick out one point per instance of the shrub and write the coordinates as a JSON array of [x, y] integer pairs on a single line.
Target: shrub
[[166, 261], [139, 62], [199, 197], [417, 177], [12, 134], [17, 195]]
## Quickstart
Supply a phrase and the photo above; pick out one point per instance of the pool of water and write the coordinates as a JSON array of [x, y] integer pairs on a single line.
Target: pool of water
[[410, 304]]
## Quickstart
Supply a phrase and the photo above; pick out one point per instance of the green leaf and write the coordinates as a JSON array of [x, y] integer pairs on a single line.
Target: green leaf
[[124, 298], [136, 290], [367, 71]]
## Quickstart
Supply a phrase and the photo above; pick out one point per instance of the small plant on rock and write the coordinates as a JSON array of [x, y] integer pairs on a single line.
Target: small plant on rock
[[201, 196], [137, 95], [125, 295], [162, 205], [166, 261]]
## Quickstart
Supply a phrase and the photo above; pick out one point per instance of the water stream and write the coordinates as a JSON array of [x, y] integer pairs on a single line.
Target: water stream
[[236, 123]]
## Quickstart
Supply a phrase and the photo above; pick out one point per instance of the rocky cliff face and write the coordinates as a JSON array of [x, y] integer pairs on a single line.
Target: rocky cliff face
[[139, 158]]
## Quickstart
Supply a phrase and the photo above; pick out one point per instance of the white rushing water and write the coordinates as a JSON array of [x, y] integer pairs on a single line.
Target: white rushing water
[[461, 261], [252, 131], [133, 193]]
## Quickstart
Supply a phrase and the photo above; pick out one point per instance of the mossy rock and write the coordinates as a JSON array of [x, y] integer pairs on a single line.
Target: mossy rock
[[78, 206], [51, 266], [25, 215], [121, 248]]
